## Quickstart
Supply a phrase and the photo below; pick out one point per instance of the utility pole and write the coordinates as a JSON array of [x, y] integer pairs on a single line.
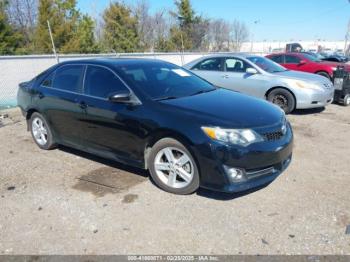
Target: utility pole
[[252, 35], [181, 18], [52, 42]]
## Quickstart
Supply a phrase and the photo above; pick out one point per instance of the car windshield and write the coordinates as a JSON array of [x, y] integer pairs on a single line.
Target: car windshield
[[266, 64], [160, 81]]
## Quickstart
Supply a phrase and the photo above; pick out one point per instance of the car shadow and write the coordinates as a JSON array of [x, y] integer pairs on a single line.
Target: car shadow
[[308, 111], [104, 161], [144, 173]]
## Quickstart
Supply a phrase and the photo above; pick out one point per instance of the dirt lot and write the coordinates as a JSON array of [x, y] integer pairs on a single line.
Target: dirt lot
[[67, 202]]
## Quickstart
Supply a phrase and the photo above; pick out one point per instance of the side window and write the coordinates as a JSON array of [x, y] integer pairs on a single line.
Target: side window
[[236, 65], [291, 59], [277, 58], [101, 82], [69, 77], [48, 81], [211, 64]]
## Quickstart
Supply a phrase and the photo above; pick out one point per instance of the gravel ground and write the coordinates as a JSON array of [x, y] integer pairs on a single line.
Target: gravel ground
[[67, 202]]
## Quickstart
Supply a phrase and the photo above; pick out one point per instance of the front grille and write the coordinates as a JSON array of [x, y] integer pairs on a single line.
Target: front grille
[[273, 136]]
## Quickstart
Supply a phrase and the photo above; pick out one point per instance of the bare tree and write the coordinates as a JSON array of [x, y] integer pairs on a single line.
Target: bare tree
[[219, 35], [23, 15], [239, 34]]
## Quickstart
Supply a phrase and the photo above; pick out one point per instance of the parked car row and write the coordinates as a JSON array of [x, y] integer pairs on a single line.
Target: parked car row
[[313, 63], [158, 116]]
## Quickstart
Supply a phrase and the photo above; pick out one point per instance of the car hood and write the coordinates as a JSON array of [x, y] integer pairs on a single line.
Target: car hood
[[297, 75], [228, 109]]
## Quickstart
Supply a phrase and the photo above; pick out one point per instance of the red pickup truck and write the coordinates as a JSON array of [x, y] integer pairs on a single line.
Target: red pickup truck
[[306, 63]]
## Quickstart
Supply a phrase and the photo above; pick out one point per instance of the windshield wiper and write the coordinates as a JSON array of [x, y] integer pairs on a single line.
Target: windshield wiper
[[202, 91], [166, 98]]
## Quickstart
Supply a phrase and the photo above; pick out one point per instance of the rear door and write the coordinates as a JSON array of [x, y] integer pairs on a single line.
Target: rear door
[[292, 62], [111, 129], [58, 98], [212, 70]]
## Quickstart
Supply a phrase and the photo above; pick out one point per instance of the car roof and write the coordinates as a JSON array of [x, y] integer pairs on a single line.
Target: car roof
[[116, 62], [238, 55], [287, 53]]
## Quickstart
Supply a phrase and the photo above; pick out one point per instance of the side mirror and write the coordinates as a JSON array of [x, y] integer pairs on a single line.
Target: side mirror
[[123, 97], [302, 62], [251, 71]]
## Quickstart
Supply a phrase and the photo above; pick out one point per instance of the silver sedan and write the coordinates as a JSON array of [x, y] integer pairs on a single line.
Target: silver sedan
[[261, 77]]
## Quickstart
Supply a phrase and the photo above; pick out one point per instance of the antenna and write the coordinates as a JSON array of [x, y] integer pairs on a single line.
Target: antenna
[[52, 42]]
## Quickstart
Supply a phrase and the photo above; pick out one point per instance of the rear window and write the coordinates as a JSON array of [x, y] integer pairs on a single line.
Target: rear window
[[277, 58], [291, 59], [211, 64], [67, 77]]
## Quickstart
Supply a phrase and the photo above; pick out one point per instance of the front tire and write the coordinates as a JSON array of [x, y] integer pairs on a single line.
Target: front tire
[[41, 132], [173, 168], [282, 98], [346, 101]]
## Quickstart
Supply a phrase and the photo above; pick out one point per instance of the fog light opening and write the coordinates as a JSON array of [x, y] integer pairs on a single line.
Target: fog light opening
[[235, 174]]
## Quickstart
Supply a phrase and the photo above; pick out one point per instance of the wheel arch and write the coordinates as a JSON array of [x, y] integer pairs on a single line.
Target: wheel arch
[[285, 88], [29, 114], [166, 133], [325, 72]]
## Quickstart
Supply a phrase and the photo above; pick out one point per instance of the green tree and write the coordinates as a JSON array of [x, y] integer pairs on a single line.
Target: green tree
[[10, 39], [83, 39], [72, 32], [42, 38], [191, 30], [120, 28]]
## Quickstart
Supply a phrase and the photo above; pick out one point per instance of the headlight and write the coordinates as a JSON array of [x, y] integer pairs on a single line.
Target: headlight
[[307, 85], [243, 137], [334, 68]]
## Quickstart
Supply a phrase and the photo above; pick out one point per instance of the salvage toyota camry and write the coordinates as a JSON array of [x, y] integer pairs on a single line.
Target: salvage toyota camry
[[158, 116]]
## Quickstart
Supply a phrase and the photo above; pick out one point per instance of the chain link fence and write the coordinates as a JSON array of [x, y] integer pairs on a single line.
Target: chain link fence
[[17, 69]]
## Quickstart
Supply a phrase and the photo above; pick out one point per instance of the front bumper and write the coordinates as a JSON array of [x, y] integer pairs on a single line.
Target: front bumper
[[260, 163], [315, 99]]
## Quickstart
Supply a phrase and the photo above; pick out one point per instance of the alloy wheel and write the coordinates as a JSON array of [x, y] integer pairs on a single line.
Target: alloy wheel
[[174, 167], [39, 131], [281, 101]]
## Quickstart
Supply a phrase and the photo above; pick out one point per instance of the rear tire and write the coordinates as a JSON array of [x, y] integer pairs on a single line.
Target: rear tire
[[41, 132], [282, 98], [173, 168]]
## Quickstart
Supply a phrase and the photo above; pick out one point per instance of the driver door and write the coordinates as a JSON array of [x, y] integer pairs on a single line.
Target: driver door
[[111, 129]]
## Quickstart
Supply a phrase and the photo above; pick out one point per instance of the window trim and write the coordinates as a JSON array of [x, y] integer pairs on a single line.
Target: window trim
[[137, 100]]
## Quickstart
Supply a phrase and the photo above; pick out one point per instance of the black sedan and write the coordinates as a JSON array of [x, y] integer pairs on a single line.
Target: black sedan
[[161, 117]]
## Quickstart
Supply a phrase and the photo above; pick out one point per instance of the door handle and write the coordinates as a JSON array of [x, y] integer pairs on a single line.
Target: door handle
[[82, 105], [224, 76]]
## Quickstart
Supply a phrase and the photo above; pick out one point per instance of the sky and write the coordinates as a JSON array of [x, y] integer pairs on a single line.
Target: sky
[[270, 20]]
